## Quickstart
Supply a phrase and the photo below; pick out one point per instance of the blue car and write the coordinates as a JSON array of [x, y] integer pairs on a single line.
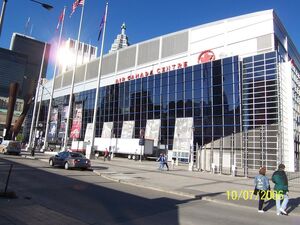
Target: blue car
[[70, 160]]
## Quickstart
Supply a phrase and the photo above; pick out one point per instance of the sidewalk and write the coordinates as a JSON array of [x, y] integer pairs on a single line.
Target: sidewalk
[[224, 189]]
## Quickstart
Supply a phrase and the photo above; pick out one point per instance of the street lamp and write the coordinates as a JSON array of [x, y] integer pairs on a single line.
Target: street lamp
[[30, 147], [2, 14], [46, 6], [191, 163]]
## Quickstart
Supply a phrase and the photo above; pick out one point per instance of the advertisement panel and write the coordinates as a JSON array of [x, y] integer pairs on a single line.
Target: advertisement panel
[[53, 124], [77, 120], [63, 119]]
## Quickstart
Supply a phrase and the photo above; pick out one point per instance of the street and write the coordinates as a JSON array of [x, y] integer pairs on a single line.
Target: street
[[49, 195]]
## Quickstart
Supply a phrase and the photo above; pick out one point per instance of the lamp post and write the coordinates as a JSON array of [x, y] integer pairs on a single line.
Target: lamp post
[[191, 163], [2, 14], [44, 5], [30, 147]]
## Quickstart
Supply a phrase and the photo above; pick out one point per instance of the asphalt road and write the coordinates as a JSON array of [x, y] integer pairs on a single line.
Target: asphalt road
[[48, 194]]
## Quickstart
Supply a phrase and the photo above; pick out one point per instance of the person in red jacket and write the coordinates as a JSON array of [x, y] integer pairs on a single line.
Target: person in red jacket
[[106, 154]]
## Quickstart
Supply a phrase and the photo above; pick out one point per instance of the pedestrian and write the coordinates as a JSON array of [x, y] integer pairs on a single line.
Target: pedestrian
[[106, 154], [166, 161], [280, 180], [161, 161], [262, 186]]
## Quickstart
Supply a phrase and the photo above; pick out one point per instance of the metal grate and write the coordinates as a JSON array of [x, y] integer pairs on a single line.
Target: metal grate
[[148, 52], [127, 58], [175, 44], [57, 82], [92, 69], [264, 42], [67, 78], [109, 64], [79, 74]]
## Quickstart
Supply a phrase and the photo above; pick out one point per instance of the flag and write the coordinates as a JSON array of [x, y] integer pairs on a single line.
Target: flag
[[60, 19], [27, 26], [101, 26], [75, 5]]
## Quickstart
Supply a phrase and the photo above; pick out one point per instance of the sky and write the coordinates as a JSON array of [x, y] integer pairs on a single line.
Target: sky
[[144, 19]]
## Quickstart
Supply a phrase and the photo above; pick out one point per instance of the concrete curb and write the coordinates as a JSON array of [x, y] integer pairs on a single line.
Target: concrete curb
[[179, 193], [29, 157], [146, 186], [182, 194]]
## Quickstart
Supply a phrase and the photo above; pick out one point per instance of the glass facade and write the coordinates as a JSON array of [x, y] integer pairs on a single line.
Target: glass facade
[[260, 109], [234, 105], [209, 92]]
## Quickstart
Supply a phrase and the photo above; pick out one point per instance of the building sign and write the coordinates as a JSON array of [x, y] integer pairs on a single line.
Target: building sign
[[77, 120], [158, 70], [206, 56]]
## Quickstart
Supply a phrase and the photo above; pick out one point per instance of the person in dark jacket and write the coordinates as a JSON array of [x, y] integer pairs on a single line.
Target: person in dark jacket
[[280, 180], [262, 185]]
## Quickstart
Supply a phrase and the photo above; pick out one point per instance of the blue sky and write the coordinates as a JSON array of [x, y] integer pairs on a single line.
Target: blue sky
[[144, 19]]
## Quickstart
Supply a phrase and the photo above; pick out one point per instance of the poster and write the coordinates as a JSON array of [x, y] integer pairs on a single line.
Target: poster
[[63, 119], [77, 120], [88, 132], [53, 124]]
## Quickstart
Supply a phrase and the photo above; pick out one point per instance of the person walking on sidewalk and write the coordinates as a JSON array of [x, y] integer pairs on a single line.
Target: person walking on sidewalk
[[263, 186], [161, 161], [280, 180], [106, 154], [166, 161]]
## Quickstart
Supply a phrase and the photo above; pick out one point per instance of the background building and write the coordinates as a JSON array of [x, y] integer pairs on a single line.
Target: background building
[[219, 94], [121, 41], [67, 54], [21, 64]]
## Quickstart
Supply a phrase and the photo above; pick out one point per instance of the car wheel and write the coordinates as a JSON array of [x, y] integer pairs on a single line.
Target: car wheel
[[66, 165], [51, 163]]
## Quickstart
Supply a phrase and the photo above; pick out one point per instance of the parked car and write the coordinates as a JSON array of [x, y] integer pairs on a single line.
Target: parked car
[[10, 147], [70, 160]]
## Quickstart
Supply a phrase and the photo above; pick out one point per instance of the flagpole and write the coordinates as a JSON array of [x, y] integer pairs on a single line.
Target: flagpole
[[98, 83], [32, 129], [53, 80], [73, 79]]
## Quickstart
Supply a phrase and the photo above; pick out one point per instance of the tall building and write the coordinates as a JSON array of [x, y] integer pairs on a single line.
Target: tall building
[[226, 92], [12, 69], [21, 63], [121, 41], [67, 55], [33, 49]]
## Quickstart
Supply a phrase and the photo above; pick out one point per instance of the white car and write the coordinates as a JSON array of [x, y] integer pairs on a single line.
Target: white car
[[10, 147]]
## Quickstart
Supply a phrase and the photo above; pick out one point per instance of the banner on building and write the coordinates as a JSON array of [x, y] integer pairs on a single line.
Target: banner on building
[[77, 120], [63, 119], [88, 132], [53, 124]]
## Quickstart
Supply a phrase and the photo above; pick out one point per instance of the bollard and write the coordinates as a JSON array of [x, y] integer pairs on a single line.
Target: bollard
[[234, 170], [213, 168], [7, 179]]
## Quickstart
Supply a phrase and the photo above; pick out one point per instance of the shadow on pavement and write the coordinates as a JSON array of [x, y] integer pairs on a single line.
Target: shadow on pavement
[[86, 202], [209, 195], [293, 204]]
